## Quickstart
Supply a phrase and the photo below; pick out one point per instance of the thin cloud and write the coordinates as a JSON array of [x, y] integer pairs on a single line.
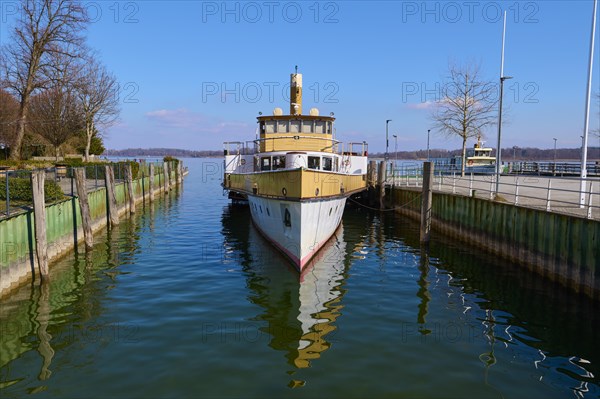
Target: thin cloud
[[421, 106]]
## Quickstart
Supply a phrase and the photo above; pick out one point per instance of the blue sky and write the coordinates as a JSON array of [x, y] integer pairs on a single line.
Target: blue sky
[[196, 73]]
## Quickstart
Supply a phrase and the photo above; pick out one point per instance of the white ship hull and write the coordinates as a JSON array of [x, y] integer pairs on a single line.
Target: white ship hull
[[297, 228]]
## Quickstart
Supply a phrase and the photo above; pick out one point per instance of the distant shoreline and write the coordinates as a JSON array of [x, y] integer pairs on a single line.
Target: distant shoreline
[[508, 154]]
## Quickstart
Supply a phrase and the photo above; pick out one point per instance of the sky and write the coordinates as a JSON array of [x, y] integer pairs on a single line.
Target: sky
[[194, 74]]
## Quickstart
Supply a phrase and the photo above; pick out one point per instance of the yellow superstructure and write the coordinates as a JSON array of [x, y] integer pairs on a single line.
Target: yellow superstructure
[[296, 184]]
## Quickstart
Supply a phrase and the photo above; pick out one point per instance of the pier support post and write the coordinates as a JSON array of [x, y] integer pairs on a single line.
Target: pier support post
[[111, 198], [84, 207], [166, 176], [426, 199], [381, 183], [130, 192], [151, 183], [39, 212]]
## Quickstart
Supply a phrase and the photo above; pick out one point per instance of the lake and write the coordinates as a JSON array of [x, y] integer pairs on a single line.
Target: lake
[[186, 299]]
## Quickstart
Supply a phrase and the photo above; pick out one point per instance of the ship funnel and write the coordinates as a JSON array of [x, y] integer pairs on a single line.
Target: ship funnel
[[296, 93]]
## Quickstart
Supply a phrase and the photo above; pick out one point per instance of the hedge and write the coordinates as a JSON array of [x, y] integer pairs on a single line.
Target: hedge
[[20, 190]]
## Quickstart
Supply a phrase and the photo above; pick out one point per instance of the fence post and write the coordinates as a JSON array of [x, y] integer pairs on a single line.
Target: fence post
[[426, 199], [589, 210], [109, 182], [84, 207], [548, 197], [39, 213], [493, 179], [151, 183], [517, 190], [453, 183]]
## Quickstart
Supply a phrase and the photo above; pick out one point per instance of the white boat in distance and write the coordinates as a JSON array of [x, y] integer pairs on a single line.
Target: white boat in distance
[[296, 177]]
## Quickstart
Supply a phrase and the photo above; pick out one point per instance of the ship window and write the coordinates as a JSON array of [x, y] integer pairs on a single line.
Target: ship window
[[282, 127], [319, 127], [307, 126], [329, 127], [265, 163], [269, 126], [313, 162], [279, 162], [294, 126], [327, 163]]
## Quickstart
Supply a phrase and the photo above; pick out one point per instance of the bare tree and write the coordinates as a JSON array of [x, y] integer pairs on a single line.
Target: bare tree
[[467, 106], [57, 116], [96, 90], [46, 27], [9, 108]]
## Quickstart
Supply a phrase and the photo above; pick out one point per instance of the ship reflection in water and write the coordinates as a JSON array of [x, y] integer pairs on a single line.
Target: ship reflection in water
[[300, 311]]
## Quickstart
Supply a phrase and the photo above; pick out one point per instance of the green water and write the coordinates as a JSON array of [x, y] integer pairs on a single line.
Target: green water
[[187, 300]]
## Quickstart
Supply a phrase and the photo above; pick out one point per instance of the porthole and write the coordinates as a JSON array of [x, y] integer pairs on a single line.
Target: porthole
[[317, 191], [284, 192]]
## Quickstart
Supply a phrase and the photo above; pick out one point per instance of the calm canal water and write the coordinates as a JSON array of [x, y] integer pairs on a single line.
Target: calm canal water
[[187, 300]]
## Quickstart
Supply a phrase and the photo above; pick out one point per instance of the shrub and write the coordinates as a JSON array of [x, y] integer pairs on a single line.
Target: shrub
[[20, 190]]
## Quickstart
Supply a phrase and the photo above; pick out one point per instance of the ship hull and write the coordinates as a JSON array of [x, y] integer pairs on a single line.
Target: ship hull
[[297, 228]]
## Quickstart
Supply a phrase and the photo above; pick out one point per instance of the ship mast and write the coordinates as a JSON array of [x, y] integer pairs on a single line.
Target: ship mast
[[296, 93]]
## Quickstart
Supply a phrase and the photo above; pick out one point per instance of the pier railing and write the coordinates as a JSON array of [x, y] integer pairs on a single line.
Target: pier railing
[[559, 194]]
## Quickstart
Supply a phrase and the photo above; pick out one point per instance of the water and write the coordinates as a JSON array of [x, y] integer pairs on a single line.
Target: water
[[187, 300]]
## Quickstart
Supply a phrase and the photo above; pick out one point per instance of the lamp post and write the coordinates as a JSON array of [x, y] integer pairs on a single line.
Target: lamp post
[[514, 152], [428, 130], [498, 148], [395, 148], [387, 141]]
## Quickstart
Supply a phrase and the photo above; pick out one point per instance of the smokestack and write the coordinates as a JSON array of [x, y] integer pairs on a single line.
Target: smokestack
[[296, 93]]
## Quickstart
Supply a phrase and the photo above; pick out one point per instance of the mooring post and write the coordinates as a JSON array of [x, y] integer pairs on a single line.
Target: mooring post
[[151, 183], [130, 192], [426, 199], [166, 176], [84, 207], [111, 198], [142, 170], [39, 213], [381, 183]]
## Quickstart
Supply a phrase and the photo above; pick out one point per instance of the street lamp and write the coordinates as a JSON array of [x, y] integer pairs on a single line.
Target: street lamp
[[498, 148], [387, 141], [515, 152], [396, 147], [428, 130]]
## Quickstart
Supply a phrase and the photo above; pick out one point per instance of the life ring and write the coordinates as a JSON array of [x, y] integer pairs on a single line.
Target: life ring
[[242, 161], [470, 163]]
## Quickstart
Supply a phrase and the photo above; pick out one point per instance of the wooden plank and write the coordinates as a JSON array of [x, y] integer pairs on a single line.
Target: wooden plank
[[39, 211], [130, 192], [84, 207], [111, 198]]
